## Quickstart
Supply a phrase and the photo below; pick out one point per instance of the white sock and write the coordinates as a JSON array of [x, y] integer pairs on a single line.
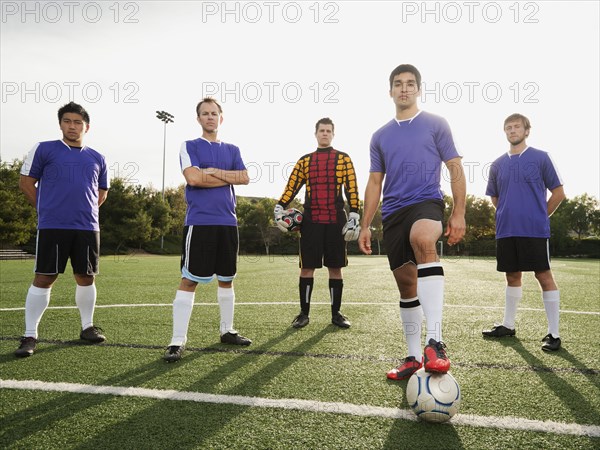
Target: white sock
[[85, 299], [182, 311], [552, 305], [36, 302], [411, 314], [226, 299], [430, 289], [513, 297]]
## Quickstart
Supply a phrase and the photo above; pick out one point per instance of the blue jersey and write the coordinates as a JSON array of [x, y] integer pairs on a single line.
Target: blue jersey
[[410, 154], [216, 205], [68, 183], [520, 182]]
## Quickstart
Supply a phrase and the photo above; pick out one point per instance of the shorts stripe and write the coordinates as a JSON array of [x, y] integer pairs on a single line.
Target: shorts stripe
[[188, 240], [203, 280]]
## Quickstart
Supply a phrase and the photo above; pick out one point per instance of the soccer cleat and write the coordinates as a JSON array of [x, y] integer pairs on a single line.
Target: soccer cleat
[[232, 337], [92, 334], [404, 371], [550, 343], [340, 320], [27, 347], [301, 320], [498, 331], [173, 353], [435, 357]]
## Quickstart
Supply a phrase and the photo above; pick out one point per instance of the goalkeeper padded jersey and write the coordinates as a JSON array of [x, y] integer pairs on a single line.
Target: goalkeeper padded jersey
[[68, 183], [410, 154], [325, 172], [215, 205], [520, 182]]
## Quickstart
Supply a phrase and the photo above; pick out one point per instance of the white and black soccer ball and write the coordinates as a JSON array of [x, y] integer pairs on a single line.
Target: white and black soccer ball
[[433, 397], [292, 219]]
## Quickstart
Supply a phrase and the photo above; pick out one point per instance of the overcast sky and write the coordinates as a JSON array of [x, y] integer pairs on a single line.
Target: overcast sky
[[277, 67]]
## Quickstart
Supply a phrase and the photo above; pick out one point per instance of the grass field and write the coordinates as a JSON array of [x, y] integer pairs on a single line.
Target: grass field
[[317, 387]]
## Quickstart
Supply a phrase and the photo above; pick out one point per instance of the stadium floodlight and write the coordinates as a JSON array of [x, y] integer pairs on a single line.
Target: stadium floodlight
[[166, 118]]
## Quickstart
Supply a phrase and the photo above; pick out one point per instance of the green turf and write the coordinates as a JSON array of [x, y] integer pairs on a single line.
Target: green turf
[[510, 377]]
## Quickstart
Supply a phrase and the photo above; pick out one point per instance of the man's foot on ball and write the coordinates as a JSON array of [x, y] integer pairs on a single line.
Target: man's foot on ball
[[498, 331], [300, 321], [404, 371], [435, 357]]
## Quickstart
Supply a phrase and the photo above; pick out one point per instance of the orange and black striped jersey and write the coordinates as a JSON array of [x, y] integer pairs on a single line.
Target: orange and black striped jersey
[[324, 172]]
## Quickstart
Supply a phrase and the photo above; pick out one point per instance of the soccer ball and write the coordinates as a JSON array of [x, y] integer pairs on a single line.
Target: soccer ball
[[433, 397], [292, 219]]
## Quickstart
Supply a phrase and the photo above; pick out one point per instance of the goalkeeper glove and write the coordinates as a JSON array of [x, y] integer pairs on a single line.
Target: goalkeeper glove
[[352, 228], [278, 217]]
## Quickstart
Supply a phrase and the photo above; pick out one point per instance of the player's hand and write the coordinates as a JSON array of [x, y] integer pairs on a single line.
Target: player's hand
[[456, 228], [364, 241], [352, 228], [278, 217]]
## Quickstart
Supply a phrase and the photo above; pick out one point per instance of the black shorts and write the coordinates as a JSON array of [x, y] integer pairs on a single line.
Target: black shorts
[[323, 244], [208, 250], [54, 247], [397, 226], [522, 254]]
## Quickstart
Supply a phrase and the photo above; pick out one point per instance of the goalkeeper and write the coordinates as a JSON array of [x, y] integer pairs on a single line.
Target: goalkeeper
[[325, 226]]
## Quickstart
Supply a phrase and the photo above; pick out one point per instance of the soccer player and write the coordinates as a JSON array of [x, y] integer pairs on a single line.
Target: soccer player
[[66, 182], [210, 236], [325, 227], [518, 185], [407, 152]]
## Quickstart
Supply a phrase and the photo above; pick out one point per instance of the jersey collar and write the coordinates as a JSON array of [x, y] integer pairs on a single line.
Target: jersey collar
[[69, 147], [399, 122]]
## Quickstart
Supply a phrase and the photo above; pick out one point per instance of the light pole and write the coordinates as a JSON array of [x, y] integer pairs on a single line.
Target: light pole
[[166, 118]]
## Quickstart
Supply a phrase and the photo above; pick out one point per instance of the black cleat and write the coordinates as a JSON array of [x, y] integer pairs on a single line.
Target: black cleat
[[27, 347], [498, 331], [340, 320], [550, 343], [300, 321], [92, 334], [232, 337], [173, 353]]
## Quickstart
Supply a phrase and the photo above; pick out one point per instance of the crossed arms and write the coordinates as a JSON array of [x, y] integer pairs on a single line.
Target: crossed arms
[[211, 177]]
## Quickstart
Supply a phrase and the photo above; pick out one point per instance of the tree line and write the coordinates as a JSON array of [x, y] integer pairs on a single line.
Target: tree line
[[136, 217]]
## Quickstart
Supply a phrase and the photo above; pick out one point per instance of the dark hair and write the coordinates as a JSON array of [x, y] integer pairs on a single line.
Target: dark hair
[[73, 107], [325, 121], [516, 116], [208, 100], [406, 68]]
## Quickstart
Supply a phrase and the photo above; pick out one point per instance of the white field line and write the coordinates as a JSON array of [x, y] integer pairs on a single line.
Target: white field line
[[162, 305], [506, 423]]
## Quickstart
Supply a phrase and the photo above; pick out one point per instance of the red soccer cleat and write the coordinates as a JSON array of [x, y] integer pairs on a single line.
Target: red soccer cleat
[[436, 360], [404, 371]]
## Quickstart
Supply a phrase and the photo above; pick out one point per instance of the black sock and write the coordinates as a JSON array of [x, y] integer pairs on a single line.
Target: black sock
[[306, 287], [335, 291]]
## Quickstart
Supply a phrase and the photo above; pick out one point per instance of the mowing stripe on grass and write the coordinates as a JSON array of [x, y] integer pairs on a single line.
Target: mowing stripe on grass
[[295, 303], [506, 423]]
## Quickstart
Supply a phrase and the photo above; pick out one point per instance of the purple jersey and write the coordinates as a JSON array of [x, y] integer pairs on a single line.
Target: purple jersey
[[410, 154], [68, 183], [520, 182], [210, 206]]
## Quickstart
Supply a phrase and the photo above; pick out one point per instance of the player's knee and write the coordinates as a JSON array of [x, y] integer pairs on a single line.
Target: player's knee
[[187, 284]]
